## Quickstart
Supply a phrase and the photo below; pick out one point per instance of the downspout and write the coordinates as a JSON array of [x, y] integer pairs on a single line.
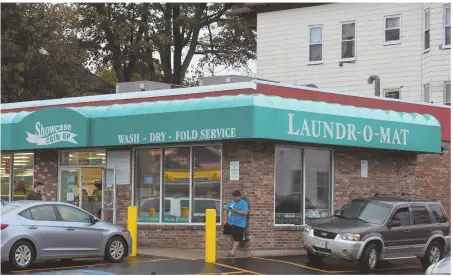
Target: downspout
[[377, 84]]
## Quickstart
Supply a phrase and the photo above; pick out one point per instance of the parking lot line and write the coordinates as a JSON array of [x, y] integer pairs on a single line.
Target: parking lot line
[[233, 272], [239, 269], [304, 266], [83, 266]]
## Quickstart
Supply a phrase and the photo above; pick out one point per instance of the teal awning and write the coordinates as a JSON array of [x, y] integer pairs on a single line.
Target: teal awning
[[220, 118]]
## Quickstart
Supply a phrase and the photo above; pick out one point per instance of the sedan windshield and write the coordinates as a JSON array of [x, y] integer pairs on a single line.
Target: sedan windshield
[[366, 211]]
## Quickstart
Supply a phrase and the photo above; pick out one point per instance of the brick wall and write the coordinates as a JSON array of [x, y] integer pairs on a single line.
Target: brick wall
[[388, 171], [426, 175], [46, 171]]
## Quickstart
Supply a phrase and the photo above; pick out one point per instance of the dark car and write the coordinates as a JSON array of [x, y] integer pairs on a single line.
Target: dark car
[[379, 228]]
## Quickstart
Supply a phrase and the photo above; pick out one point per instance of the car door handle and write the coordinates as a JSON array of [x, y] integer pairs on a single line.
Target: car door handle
[[429, 229], [32, 227], [70, 229], [407, 231]]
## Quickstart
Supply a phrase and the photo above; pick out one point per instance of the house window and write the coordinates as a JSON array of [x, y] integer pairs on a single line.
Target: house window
[[447, 95], [392, 29], [167, 189], [426, 25], [426, 93], [393, 94], [311, 170], [447, 26], [348, 47], [315, 47]]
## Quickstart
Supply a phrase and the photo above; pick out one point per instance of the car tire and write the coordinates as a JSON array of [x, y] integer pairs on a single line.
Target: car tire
[[369, 259], [22, 255], [116, 250], [315, 259], [433, 254]]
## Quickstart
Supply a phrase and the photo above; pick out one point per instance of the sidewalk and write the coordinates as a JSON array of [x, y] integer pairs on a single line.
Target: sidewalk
[[198, 254]]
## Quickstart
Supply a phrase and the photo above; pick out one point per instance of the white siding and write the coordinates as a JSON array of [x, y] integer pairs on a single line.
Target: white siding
[[436, 63], [282, 48]]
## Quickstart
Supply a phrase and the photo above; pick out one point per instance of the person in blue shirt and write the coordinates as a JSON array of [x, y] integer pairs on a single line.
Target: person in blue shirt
[[236, 210]]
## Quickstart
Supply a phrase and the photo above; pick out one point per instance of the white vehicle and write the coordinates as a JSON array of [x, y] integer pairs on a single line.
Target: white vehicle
[[174, 205]]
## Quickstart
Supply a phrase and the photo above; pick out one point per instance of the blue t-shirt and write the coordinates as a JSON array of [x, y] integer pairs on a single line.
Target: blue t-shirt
[[235, 218]]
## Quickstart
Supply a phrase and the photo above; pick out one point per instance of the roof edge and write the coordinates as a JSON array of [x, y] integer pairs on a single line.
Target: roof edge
[[132, 95]]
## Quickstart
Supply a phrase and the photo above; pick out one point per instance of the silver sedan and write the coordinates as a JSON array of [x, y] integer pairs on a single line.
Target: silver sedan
[[39, 230]]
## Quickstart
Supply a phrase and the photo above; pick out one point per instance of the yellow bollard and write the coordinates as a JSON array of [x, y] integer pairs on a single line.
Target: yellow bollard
[[132, 217], [152, 212], [210, 236], [184, 211]]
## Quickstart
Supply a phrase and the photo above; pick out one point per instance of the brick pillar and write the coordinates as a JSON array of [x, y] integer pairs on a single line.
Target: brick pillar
[[256, 183], [46, 171]]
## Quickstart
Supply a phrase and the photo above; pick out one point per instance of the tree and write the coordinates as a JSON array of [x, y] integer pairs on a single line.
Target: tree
[[159, 40], [40, 55]]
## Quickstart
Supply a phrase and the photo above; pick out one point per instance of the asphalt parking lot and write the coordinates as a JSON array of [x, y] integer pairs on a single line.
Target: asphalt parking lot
[[294, 265]]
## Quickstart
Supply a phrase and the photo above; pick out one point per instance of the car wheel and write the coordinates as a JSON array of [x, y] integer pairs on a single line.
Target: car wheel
[[116, 250], [433, 254], [312, 258], [369, 258], [21, 255]]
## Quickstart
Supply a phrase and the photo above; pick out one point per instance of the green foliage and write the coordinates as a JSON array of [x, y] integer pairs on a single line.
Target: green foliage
[[40, 55], [159, 40]]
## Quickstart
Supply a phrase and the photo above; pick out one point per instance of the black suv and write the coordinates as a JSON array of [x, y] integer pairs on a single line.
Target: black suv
[[381, 227]]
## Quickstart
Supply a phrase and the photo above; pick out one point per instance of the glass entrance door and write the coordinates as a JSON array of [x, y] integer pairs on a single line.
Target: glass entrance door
[[109, 195], [70, 183], [91, 190]]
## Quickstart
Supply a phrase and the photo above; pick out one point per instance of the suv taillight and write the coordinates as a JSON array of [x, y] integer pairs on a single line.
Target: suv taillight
[[4, 226]]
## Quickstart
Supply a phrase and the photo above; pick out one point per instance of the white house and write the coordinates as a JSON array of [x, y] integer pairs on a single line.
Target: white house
[[338, 46]]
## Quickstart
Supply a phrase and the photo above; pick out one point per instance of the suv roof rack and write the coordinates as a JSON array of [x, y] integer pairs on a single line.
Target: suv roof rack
[[403, 196]]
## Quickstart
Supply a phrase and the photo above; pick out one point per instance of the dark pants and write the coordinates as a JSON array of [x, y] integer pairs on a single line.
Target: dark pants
[[237, 233]]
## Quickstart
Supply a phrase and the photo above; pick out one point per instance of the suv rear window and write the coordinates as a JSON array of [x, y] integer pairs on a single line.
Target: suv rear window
[[438, 213]]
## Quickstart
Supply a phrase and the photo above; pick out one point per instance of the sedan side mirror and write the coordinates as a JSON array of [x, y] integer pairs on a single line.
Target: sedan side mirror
[[94, 220], [395, 223]]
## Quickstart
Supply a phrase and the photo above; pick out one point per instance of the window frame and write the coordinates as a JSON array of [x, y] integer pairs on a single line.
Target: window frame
[[355, 40], [396, 211], [425, 99], [412, 206], [445, 93], [393, 42], [304, 161], [11, 172], [389, 90], [426, 11], [444, 45], [322, 44], [162, 169]]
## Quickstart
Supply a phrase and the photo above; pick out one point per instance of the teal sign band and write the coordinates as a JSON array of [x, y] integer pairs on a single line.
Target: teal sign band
[[52, 127], [221, 118]]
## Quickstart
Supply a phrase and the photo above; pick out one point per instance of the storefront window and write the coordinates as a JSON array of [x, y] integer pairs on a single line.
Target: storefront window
[[5, 176], [288, 185], [147, 183], [206, 182], [302, 175], [318, 183], [164, 181], [22, 175], [82, 158], [176, 185]]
